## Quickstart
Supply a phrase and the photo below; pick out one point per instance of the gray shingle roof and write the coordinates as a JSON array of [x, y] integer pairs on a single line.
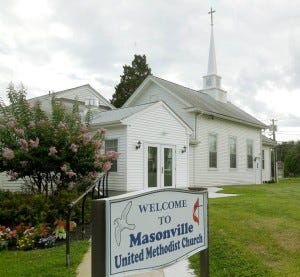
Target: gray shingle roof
[[116, 115], [206, 104], [268, 141]]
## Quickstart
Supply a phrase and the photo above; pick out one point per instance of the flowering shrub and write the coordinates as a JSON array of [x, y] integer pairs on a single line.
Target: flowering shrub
[[47, 242], [60, 229], [8, 235], [26, 242], [51, 153]]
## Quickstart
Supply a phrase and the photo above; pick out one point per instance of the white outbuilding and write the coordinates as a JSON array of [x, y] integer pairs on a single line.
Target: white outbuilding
[[153, 143]]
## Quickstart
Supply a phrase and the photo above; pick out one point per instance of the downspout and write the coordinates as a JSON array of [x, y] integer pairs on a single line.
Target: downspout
[[194, 151], [261, 175]]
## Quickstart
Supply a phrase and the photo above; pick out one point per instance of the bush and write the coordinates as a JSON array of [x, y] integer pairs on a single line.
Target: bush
[[34, 209]]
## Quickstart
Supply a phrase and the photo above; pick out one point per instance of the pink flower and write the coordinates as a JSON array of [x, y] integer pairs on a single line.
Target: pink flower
[[11, 123], [24, 145], [97, 144], [71, 173], [35, 143], [106, 166], [13, 175], [83, 128], [74, 147], [8, 154], [93, 175], [112, 155], [85, 138], [61, 125], [31, 124], [63, 168], [101, 131], [52, 151], [19, 132]]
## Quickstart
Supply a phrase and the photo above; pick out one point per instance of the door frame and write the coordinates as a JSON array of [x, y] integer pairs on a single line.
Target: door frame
[[160, 164]]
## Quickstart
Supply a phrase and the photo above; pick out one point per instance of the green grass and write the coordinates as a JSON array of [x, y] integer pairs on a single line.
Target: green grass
[[42, 262], [256, 233]]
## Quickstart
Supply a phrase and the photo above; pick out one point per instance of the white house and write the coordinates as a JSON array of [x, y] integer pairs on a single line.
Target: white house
[[153, 143]]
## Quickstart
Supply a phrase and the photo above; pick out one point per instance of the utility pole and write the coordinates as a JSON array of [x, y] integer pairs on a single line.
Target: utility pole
[[273, 128]]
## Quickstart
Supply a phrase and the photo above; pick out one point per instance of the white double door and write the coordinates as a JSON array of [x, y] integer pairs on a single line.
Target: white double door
[[159, 165]]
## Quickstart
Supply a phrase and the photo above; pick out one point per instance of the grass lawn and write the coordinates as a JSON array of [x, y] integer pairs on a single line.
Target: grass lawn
[[256, 233], [42, 262]]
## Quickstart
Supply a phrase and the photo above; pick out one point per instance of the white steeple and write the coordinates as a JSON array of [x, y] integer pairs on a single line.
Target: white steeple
[[212, 82], [212, 64]]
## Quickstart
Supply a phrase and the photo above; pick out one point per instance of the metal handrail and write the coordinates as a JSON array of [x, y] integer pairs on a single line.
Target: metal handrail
[[103, 179]]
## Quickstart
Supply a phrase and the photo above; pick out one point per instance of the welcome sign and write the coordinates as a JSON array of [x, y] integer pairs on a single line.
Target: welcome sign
[[153, 229]]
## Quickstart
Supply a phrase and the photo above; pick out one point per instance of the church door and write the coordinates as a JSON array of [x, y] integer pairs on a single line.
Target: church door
[[159, 166]]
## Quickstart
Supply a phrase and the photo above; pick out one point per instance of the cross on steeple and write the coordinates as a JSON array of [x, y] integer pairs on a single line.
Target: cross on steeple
[[211, 16]]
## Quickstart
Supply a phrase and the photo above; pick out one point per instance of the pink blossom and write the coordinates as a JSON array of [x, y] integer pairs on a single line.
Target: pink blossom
[[61, 125], [74, 147], [86, 137], [24, 145], [83, 128], [98, 164], [13, 175], [11, 123], [32, 124], [71, 173], [52, 151], [35, 143], [112, 155], [64, 168], [2, 126], [93, 174], [106, 166], [97, 144], [101, 131], [8, 154], [19, 132]]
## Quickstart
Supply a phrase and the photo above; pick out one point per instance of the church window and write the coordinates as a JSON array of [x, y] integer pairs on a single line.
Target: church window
[[232, 149], [249, 153], [91, 102], [208, 82], [263, 159], [213, 151], [112, 145]]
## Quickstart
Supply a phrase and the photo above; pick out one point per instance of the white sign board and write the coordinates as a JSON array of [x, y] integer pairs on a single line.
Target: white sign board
[[153, 229]]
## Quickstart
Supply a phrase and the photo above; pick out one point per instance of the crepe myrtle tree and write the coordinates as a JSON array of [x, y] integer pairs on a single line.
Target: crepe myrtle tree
[[50, 152]]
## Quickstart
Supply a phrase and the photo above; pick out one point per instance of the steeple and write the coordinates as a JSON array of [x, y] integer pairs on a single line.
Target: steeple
[[212, 82]]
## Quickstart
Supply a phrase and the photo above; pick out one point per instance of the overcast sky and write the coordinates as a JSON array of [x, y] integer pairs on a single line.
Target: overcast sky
[[55, 45]]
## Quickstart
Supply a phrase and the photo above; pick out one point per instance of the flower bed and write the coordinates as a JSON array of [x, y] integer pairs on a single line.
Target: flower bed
[[25, 237]]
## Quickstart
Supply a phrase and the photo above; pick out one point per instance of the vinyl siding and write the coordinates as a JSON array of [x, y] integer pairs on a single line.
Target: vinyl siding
[[156, 93], [117, 180], [266, 173], [223, 174], [5, 184], [157, 126]]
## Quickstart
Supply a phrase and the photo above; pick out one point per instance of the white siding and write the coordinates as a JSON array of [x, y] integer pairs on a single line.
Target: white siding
[[5, 184], [266, 173], [223, 174], [157, 125], [117, 180], [156, 93]]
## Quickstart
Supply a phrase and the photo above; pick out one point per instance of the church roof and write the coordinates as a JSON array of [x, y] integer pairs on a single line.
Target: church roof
[[117, 115], [202, 102], [267, 141]]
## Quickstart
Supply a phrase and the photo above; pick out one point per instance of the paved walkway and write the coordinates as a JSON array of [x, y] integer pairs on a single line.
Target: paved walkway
[[180, 268]]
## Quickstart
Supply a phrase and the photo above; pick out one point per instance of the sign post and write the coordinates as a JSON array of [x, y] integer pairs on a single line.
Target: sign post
[[143, 231]]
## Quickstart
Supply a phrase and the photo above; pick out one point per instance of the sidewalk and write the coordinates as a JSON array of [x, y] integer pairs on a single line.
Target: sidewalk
[[180, 268]]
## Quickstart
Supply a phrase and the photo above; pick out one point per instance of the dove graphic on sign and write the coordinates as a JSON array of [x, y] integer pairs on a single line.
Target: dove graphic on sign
[[121, 223]]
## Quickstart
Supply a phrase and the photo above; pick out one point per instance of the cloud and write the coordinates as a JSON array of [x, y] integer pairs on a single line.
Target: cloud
[[53, 45]]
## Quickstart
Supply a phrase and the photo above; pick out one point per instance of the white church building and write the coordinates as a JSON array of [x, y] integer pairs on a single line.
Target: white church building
[[169, 135]]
